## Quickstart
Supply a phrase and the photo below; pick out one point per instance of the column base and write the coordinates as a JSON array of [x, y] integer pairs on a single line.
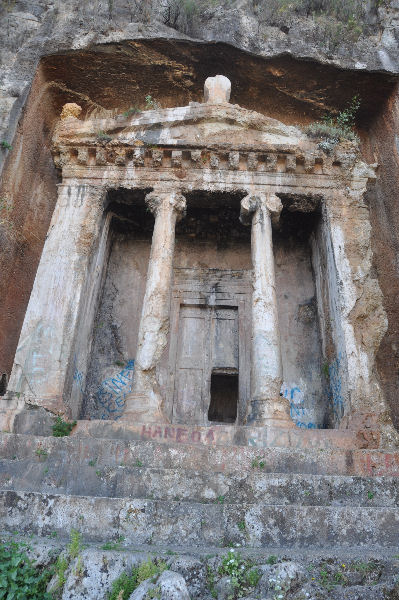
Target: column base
[[269, 412], [142, 408]]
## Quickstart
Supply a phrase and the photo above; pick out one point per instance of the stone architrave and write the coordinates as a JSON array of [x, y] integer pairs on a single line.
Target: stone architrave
[[42, 366], [144, 404], [267, 407]]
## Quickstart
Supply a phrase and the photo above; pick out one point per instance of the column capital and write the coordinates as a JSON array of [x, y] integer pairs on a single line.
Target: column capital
[[157, 200], [251, 203]]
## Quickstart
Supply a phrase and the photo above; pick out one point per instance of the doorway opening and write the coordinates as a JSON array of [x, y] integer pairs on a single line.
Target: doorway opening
[[224, 397]]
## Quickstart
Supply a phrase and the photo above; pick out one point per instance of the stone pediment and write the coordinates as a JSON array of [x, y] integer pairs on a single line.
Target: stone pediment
[[196, 125], [214, 135]]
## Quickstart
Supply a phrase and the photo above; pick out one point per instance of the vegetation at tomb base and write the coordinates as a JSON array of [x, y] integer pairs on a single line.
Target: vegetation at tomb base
[[126, 583], [243, 575], [62, 428], [20, 579]]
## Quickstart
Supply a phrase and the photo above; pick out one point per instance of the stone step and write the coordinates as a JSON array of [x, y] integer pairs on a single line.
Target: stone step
[[50, 475], [184, 524], [235, 459], [231, 435]]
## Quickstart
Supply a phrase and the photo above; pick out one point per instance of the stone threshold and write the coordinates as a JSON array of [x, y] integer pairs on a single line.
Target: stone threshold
[[231, 435]]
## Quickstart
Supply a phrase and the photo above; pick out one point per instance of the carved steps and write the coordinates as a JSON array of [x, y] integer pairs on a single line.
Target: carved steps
[[234, 459], [183, 524], [50, 476], [181, 495]]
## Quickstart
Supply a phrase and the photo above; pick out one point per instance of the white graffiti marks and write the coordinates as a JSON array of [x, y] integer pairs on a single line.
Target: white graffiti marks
[[110, 395], [33, 358]]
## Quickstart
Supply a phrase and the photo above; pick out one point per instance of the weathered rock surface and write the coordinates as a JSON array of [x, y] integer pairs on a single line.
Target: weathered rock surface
[[168, 586], [194, 573], [90, 575]]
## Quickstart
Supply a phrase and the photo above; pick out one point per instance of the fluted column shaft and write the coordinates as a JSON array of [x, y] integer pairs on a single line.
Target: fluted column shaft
[[267, 406], [144, 404]]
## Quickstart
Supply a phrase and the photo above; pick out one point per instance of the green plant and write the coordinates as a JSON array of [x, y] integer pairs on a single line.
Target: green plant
[[370, 495], [92, 462], [220, 500], [150, 103], [113, 545], [98, 473], [253, 577], [210, 577], [365, 567], [125, 584], [41, 452], [272, 560], [60, 568], [101, 135], [133, 110], [75, 546], [334, 128], [241, 525], [325, 369], [79, 567], [62, 428], [149, 569], [20, 579], [258, 463], [242, 574], [138, 463], [329, 580], [5, 145], [154, 593]]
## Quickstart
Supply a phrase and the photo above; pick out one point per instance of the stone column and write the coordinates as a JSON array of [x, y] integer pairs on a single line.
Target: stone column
[[267, 406], [42, 372], [144, 404]]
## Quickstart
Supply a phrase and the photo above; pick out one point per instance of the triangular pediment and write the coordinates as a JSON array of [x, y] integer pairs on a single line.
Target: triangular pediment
[[196, 125]]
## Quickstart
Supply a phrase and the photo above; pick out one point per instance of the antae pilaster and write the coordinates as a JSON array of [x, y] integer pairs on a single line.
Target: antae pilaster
[[266, 405], [145, 402], [42, 371]]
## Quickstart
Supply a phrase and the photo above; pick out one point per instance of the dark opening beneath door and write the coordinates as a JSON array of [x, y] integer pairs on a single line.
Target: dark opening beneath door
[[224, 398]]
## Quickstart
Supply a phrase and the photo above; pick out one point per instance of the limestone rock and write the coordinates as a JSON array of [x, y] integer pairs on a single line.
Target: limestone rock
[[168, 586], [194, 573], [90, 575], [288, 575], [224, 588], [71, 109], [217, 89]]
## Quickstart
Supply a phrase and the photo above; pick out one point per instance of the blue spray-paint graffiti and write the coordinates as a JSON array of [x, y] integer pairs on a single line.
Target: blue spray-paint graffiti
[[78, 375], [298, 410], [111, 393]]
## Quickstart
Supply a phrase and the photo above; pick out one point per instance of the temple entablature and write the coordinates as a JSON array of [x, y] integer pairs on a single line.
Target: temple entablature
[[193, 145]]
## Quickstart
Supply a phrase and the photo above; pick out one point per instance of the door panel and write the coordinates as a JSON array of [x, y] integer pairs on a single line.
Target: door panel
[[225, 338], [188, 401]]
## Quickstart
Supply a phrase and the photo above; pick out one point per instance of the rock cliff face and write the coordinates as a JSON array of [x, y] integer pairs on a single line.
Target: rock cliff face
[[109, 55]]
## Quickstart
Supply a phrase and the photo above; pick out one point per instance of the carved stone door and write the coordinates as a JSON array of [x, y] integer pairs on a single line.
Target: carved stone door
[[209, 361]]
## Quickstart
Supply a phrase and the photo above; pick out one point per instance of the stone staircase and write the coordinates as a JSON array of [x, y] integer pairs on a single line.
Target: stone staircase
[[185, 495]]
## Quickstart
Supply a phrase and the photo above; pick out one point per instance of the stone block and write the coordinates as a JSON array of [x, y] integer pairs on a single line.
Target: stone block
[[217, 90]]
